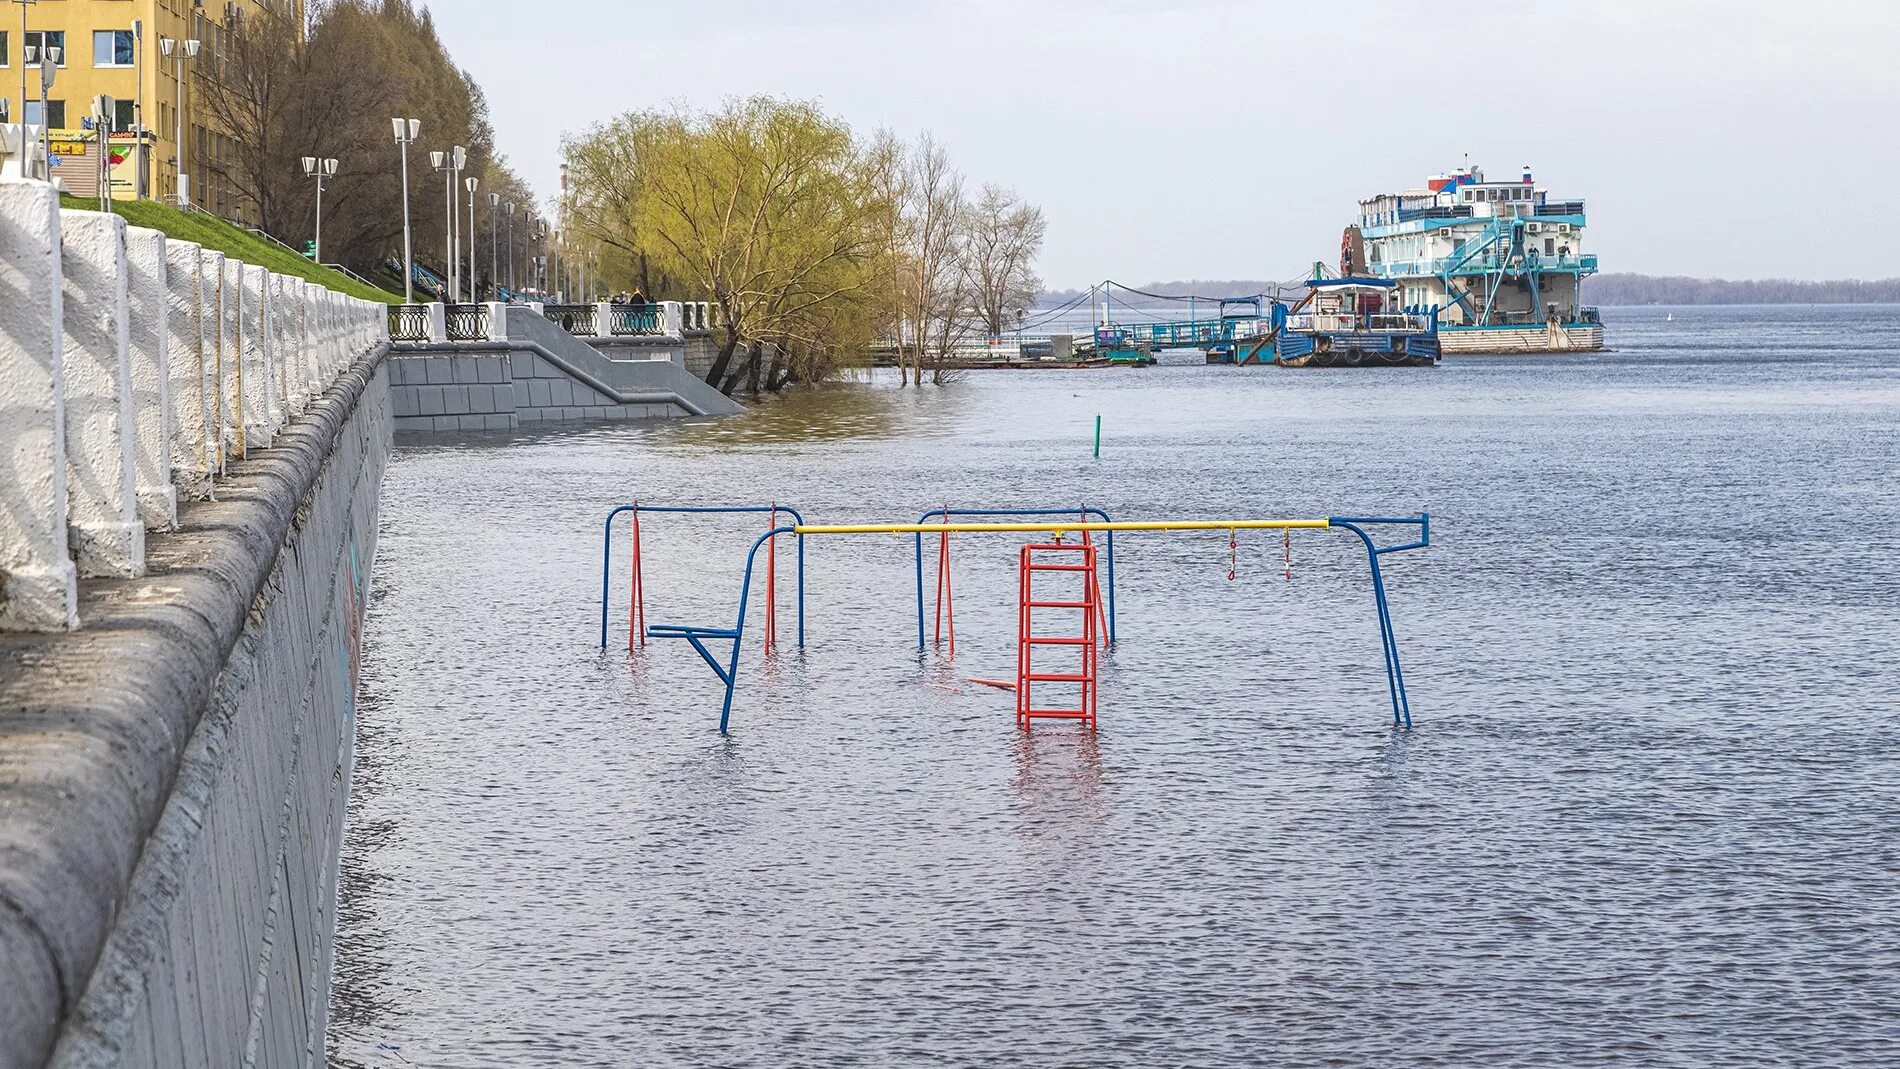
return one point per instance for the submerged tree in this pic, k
(811, 243)
(766, 207)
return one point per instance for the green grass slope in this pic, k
(214, 233)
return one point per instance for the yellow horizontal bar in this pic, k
(1058, 525)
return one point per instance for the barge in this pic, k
(1502, 261)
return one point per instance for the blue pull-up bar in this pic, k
(607, 556)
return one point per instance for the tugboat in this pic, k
(1353, 322)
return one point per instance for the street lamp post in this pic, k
(23, 4)
(178, 52)
(406, 131)
(451, 164)
(494, 243)
(472, 183)
(318, 169)
(510, 209)
(48, 62)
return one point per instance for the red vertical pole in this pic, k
(1022, 641)
(637, 610)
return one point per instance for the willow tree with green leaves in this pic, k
(766, 207)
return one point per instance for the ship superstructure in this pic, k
(1501, 261)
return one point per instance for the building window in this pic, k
(55, 110)
(6, 58)
(124, 115)
(38, 39)
(112, 48)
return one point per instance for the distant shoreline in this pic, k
(1615, 289)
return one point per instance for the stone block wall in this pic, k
(499, 391)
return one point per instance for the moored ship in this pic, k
(1502, 262)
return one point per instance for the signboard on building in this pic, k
(75, 154)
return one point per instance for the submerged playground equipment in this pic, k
(1082, 573)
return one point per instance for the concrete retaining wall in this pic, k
(175, 732)
(478, 390)
(532, 371)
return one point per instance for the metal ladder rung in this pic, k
(1034, 640)
(1060, 604)
(1059, 568)
(1058, 714)
(1057, 677)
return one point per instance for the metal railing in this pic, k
(409, 322)
(576, 319)
(633, 320)
(1343, 322)
(1456, 211)
(467, 322)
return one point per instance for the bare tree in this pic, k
(935, 291)
(1005, 237)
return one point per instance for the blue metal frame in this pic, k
(1394, 673)
(728, 672)
(946, 514)
(607, 555)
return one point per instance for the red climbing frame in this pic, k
(637, 611)
(1056, 560)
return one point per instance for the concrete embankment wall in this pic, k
(532, 372)
(186, 533)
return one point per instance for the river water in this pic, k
(1649, 813)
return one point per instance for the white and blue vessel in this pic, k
(1501, 261)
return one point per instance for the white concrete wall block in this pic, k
(306, 356)
(38, 585)
(185, 368)
(230, 350)
(211, 336)
(497, 321)
(150, 364)
(262, 416)
(438, 322)
(102, 522)
(296, 379)
(313, 335)
(670, 319)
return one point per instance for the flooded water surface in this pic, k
(1649, 813)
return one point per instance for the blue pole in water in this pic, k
(738, 629)
(606, 561)
(1388, 638)
(918, 545)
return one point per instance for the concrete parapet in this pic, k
(131, 368)
(103, 525)
(37, 580)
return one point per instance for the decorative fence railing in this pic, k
(576, 319)
(467, 322)
(409, 322)
(634, 320)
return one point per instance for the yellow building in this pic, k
(116, 48)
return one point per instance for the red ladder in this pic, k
(1061, 559)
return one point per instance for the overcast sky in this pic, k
(1232, 140)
